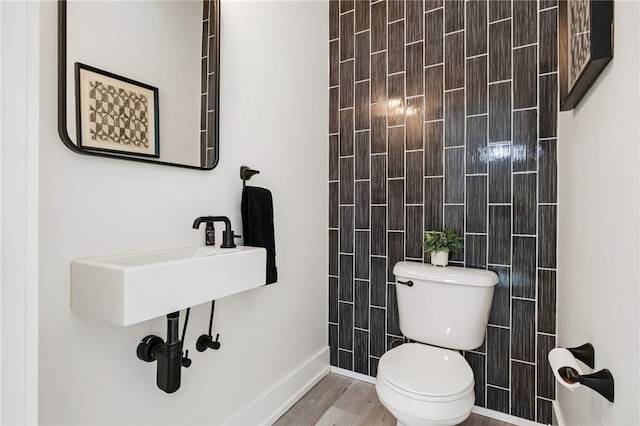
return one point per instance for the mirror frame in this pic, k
(62, 95)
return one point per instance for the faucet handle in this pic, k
(227, 239)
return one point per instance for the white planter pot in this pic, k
(440, 258)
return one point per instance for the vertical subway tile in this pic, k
(362, 155)
(453, 60)
(523, 330)
(346, 84)
(523, 393)
(477, 364)
(346, 5)
(362, 204)
(378, 281)
(501, 306)
(544, 4)
(346, 132)
(476, 85)
(378, 128)
(393, 323)
(395, 111)
(378, 26)
(361, 305)
(414, 119)
(346, 180)
(547, 234)
(433, 204)
(546, 301)
(377, 342)
(396, 47)
(415, 82)
(346, 36)
(454, 118)
(378, 179)
(333, 344)
(362, 255)
(333, 252)
(361, 351)
(333, 157)
(362, 56)
(475, 247)
(544, 411)
(334, 19)
(433, 36)
(396, 204)
(373, 366)
(434, 93)
(499, 235)
(414, 177)
(345, 359)
(334, 110)
(498, 399)
(363, 18)
(548, 105)
(395, 10)
(499, 9)
(334, 202)
(500, 112)
(524, 203)
(345, 325)
(345, 285)
(454, 15)
(525, 140)
(432, 4)
(334, 63)
(362, 103)
(500, 51)
(498, 344)
(547, 171)
(476, 143)
(413, 234)
(379, 77)
(523, 280)
(414, 20)
(346, 229)
(395, 152)
(548, 41)
(525, 22)
(476, 204)
(476, 27)
(500, 173)
(333, 299)
(546, 381)
(525, 77)
(396, 253)
(379, 230)
(454, 219)
(454, 175)
(433, 149)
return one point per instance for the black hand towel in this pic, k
(257, 225)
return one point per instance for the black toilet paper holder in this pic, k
(600, 381)
(584, 353)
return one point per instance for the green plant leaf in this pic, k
(447, 240)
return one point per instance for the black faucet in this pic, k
(227, 234)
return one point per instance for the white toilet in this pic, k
(423, 383)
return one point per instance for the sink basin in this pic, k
(128, 289)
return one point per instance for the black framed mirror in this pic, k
(139, 80)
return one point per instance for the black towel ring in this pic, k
(246, 173)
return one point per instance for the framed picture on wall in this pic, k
(115, 113)
(585, 46)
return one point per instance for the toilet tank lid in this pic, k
(446, 274)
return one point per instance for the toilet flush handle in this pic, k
(407, 283)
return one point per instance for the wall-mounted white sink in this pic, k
(132, 288)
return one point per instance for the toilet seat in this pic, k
(426, 373)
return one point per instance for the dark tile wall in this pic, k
(444, 114)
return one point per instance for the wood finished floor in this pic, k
(339, 400)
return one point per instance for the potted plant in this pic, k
(439, 244)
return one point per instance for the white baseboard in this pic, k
(273, 403)
(353, 375)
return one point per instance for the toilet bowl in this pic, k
(425, 385)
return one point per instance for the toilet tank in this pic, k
(445, 306)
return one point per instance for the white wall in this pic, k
(273, 118)
(598, 230)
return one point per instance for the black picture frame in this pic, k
(115, 113)
(585, 46)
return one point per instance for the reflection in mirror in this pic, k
(129, 49)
